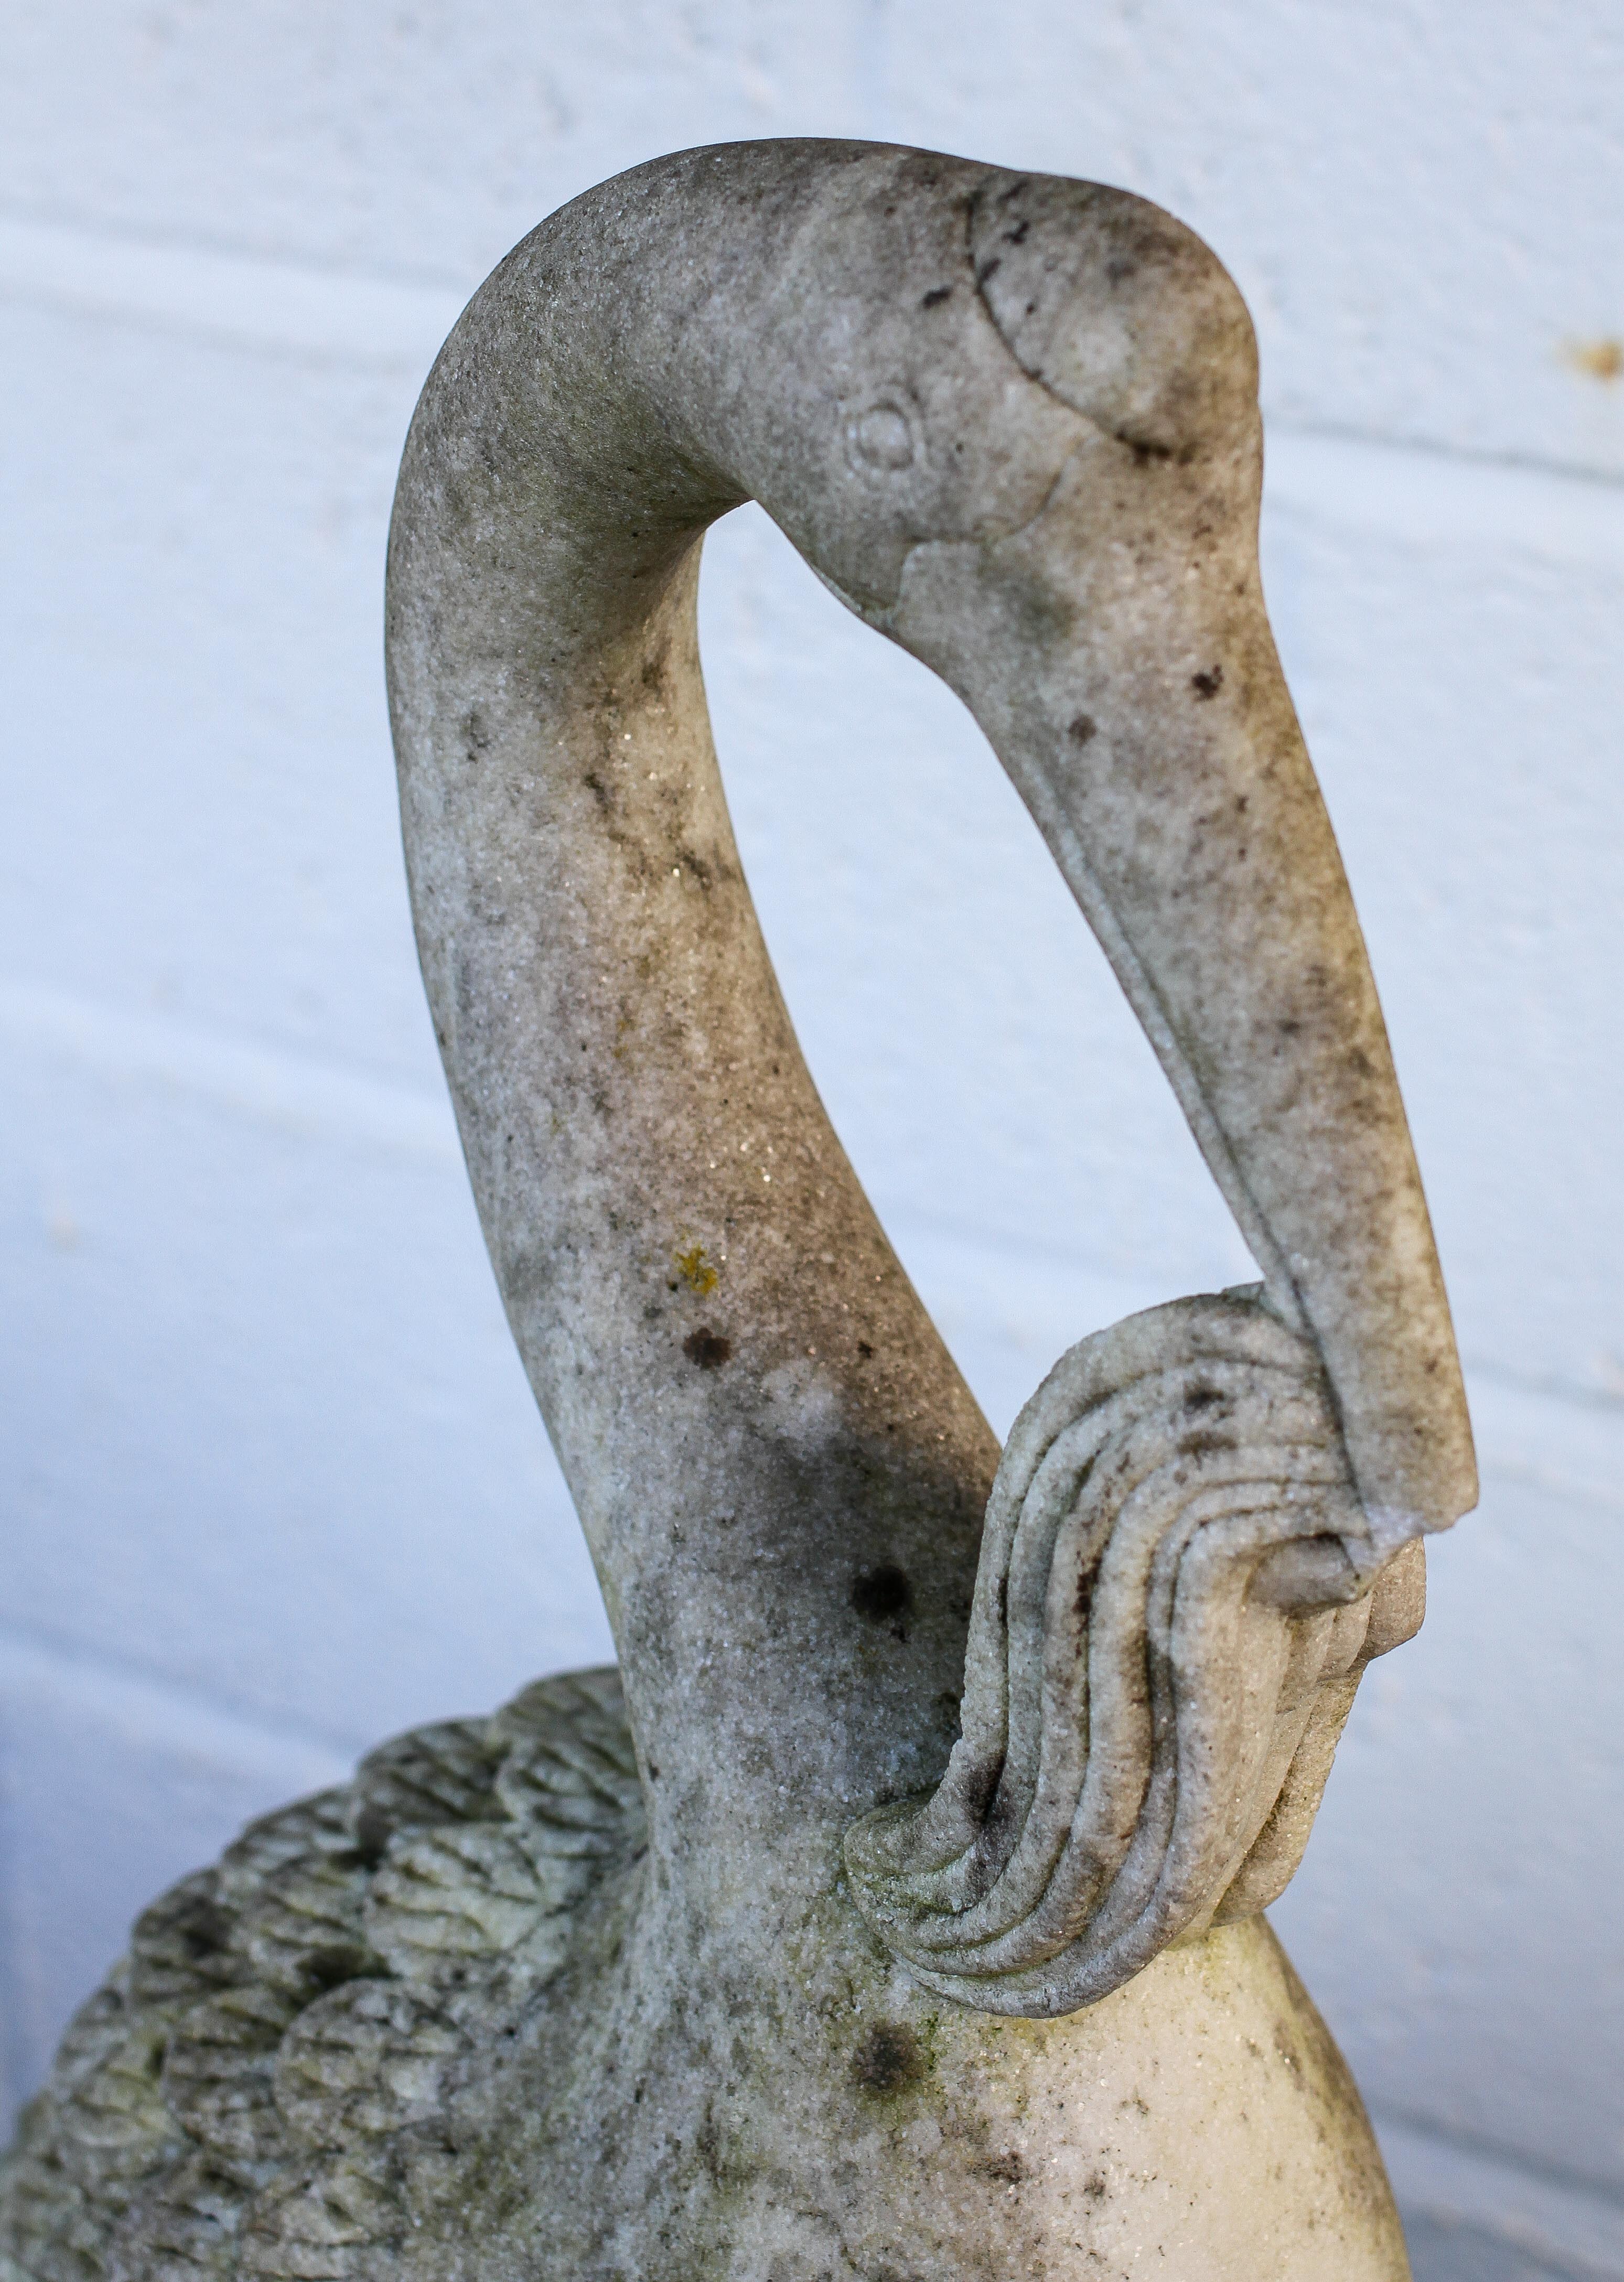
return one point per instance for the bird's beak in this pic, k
(1055, 507)
(1117, 653)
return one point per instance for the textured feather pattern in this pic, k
(1175, 1601)
(252, 2089)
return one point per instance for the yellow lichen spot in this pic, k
(695, 1270)
(1601, 360)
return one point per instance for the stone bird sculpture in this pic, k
(900, 1919)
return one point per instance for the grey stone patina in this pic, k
(832, 1951)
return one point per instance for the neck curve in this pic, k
(1013, 423)
(779, 1469)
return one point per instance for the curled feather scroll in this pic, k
(1175, 1602)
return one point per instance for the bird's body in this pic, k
(903, 1925)
(406, 2029)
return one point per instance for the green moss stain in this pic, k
(696, 1269)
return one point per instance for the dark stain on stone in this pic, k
(476, 733)
(322, 1969)
(1209, 683)
(1146, 450)
(889, 2058)
(596, 787)
(981, 1788)
(1080, 729)
(882, 1594)
(1097, 2188)
(935, 297)
(198, 1932)
(710, 2146)
(708, 1348)
(373, 1832)
(1010, 2167)
(1203, 1396)
(1205, 1445)
(866, 1350)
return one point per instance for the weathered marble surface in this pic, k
(1012, 421)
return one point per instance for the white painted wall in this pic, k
(273, 1484)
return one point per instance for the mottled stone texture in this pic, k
(712, 1987)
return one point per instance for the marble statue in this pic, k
(893, 1910)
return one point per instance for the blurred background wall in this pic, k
(273, 1484)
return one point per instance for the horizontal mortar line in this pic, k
(167, 1713)
(1511, 2195)
(309, 1098)
(354, 315)
(999, 1250)
(1421, 496)
(1513, 1417)
(1007, 1280)
(1601, 2195)
(241, 297)
(1499, 1466)
(1581, 473)
(1597, 1398)
(301, 1095)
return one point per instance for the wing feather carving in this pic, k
(1174, 1603)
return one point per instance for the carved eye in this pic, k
(880, 437)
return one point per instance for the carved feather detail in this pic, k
(259, 2084)
(1175, 1599)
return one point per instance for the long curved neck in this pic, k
(1013, 421)
(780, 1471)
